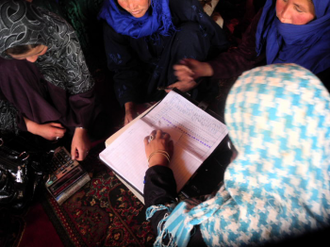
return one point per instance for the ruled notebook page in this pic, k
(194, 132)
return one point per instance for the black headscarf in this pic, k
(63, 65)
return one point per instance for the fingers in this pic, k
(127, 120)
(155, 135)
(187, 61)
(180, 67)
(166, 136)
(59, 133)
(74, 153)
(129, 116)
(158, 148)
(146, 140)
(168, 89)
(183, 86)
(79, 155)
(57, 125)
(183, 73)
(159, 134)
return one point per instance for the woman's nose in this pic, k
(132, 4)
(285, 16)
(32, 59)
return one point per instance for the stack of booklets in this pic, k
(195, 134)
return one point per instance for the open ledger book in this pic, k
(195, 134)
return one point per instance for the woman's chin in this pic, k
(138, 14)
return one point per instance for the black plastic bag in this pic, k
(23, 167)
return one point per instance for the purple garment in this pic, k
(24, 87)
(234, 62)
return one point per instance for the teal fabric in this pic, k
(278, 186)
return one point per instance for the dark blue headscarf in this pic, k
(156, 20)
(307, 45)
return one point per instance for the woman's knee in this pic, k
(190, 30)
(192, 41)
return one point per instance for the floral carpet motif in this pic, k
(103, 213)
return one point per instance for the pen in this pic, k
(164, 88)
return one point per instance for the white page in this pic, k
(195, 134)
(126, 154)
(202, 133)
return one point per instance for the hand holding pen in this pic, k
(158, 148)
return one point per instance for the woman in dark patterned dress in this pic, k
(145, 38)
(45, 85)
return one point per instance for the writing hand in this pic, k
(155, 144)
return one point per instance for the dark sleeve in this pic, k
(324, 76)
(160, 188)
(234, 62)
(123, 61)
(85, 108)
(192, 10)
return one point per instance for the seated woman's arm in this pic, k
(234, 62)
(160, 189)
(122, 60)
(226, 65)
(160, 185)
(72, 75)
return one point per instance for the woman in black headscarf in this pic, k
(47, 88)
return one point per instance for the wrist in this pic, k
(129, 106)
(156, 164)
(30, 125)
(80, 130)
(208, 70)
(159, 157)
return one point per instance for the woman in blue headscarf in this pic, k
(277, 187)
(145, 38)
(284, 31)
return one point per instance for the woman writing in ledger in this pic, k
(145, 38)
(275, 189)
(46, 88)
(285, 31)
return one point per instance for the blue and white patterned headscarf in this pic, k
(278, 186)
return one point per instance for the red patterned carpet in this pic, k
(103, 213)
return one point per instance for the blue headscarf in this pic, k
(307, 45)
(278, 117)
(156, 20)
